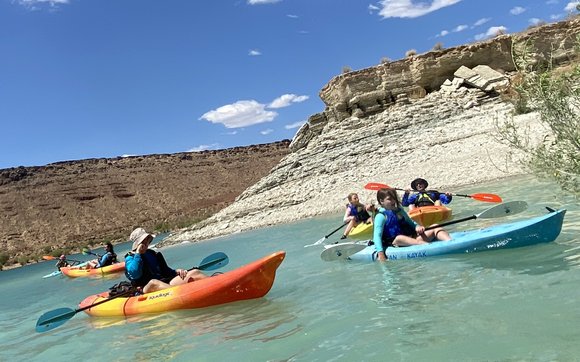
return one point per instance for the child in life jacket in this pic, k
(355, 213)
(394, 227)
(424, 197)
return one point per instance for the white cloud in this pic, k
(292, 16)
(294, 125)
(286, 99)
(406, 9)
(571, 6)
(303, 32)
(240, 114)
(517, 10)
(256, 2)
(265, 132)
(51, 2)
(442, 33)
(460, 28)
(534, 21)
(490, 32)
(204, 147)
(33, 5)
(481, 21)
(254, 52)
(231, 133)
(556, 16)
(551, 2)
(372, 8)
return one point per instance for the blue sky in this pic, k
(106, 78)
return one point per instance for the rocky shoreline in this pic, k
(434, 137)
(432, 115)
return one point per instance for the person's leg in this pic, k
(438, 203)
(411, 207)
(351, 224)
(404, 240)
(438, 233)
(155, 285)
(191, 276)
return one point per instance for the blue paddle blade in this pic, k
(214, 261)
(53, 319)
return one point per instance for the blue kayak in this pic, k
(543, 229)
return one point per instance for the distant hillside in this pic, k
(68, 205)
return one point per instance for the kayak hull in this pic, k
(53, 274)
(248, 282)
(543, 229)
(429, 215)
(362, 231)
(75, 272)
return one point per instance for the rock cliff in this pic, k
(67, 205)
(431, 115)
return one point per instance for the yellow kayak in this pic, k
(362, 231)
(75, 272)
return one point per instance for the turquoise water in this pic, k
(512, 305)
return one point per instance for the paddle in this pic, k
(87, 251)
(48, 257)
(479, 197)
(507, 208)
(320, 241)
(57, 317)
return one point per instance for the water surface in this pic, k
(512, 305)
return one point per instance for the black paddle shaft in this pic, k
(341, 226)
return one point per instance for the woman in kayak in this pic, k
(109, 258)
(424, 197)
(356, 213)
(393, 227)
(147, 269)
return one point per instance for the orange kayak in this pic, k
(429, 215)
(248, 282)
(75, 272)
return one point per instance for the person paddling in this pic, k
(393, 227)
(424, 197)
(62, 262)
(355, 213)
(146, 268)
(108, 259)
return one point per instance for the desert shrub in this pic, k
(500, 32)
(410, 53)
(162, 227)
(385, 60)
(556, 98)
(438, 46)
(514, 96)
(47, 249)
(22, 260)
(4, 257)
(346, 70)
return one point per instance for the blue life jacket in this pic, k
(396, 225)
(358, 212)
